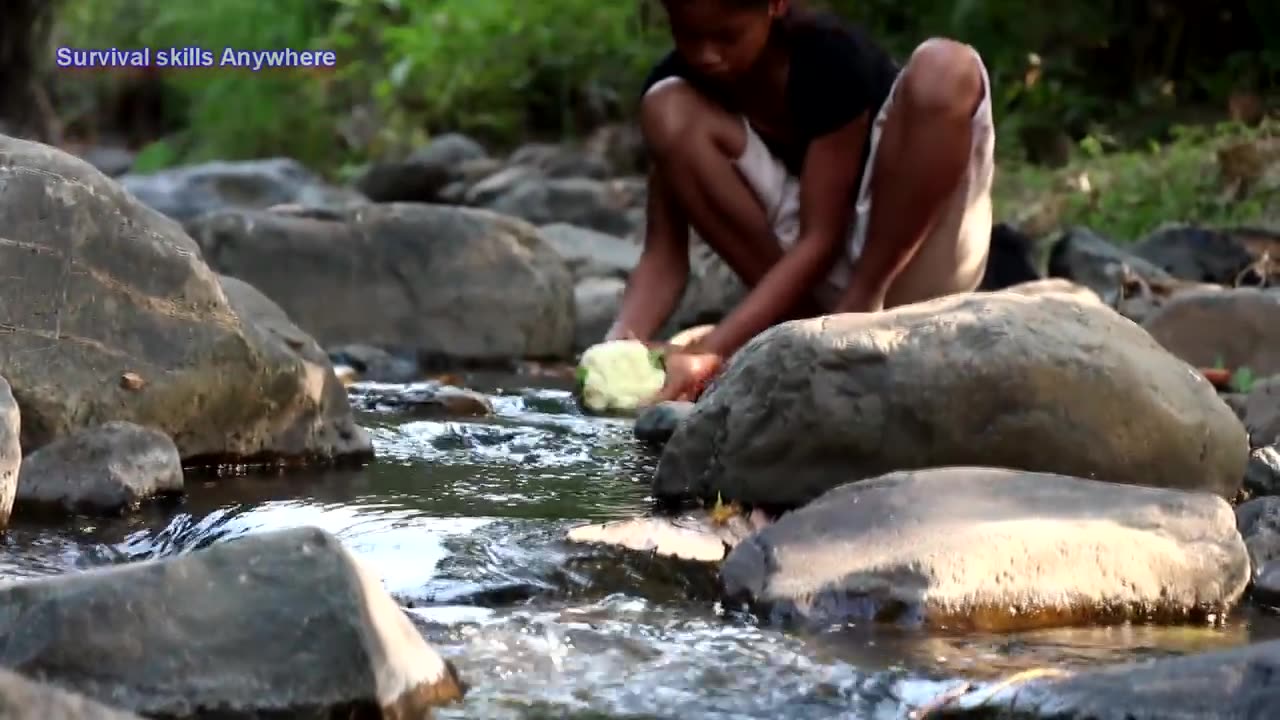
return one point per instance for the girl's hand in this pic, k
(688, 374)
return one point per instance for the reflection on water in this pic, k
(464, 520)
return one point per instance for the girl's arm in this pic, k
(658, 280)
(826, 192)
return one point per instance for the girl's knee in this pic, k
(942, 76)
(673, 114)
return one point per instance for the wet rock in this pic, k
(1262, 411)
(596, 301)
(105, 469)
(989, 548)
(438, 280)
(111, 314)
(1259, 524)
(1012, 259)
(427, 401)
(580, 201)
(1130, 284)
(10, 451)
(697, 537)
(1238, 683)
(1046, 383)
(1196, 253)
(422, 175)
(1239, 328)
(658, 423)
(23, 699)
(285, 622)
(372, 364)
(591, 254)
(1266, 584)
(186, 192)
(1262, 475)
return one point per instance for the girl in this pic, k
(828, 179)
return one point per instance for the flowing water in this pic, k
(464, 521)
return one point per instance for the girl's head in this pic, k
(722, 39)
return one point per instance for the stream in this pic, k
(464, 520)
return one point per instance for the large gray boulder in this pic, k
(110, 313)
(285, 622)
(994, 549)
(456, 282)
(1039, 382)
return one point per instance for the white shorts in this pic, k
(951, 259)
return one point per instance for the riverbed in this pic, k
(464, 521)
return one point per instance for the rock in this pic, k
(23, 699)
(185, 193)
(439, 280)
(427, 401)
(286, 622)
(1259, 524)
(1057, 286)
(422, 175)
(373, 364)
(10, 451)
(1266, 584)
(596, 302)
(620, 146)
(111, 314)
(101, 470)
(110, 160)
(1262, 475)
(1236, 683)
(1012, 259)
(580, 201)
(559, 161)
(685, 538)
(1195, 253)
(695, 537)
(325, 412)
(1132, 285)
(1262, 410)
(591, 254)
(1046, 383)
(657, 423)
(1236, 401)
(1239, 328)
(498, 183)
(994, 549)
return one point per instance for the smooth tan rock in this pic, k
(688, 537)
(1238, 328)
(1041, 383)
(995, 549)
(23, 699)
(1262, 413)
(10, 451)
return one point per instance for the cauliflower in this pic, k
(619, 375)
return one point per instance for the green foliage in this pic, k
(1127, 194)
(1095, 75)
(225, 112)
(496, 68)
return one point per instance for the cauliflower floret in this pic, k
(619, 375)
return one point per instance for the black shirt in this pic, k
(837, 73)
